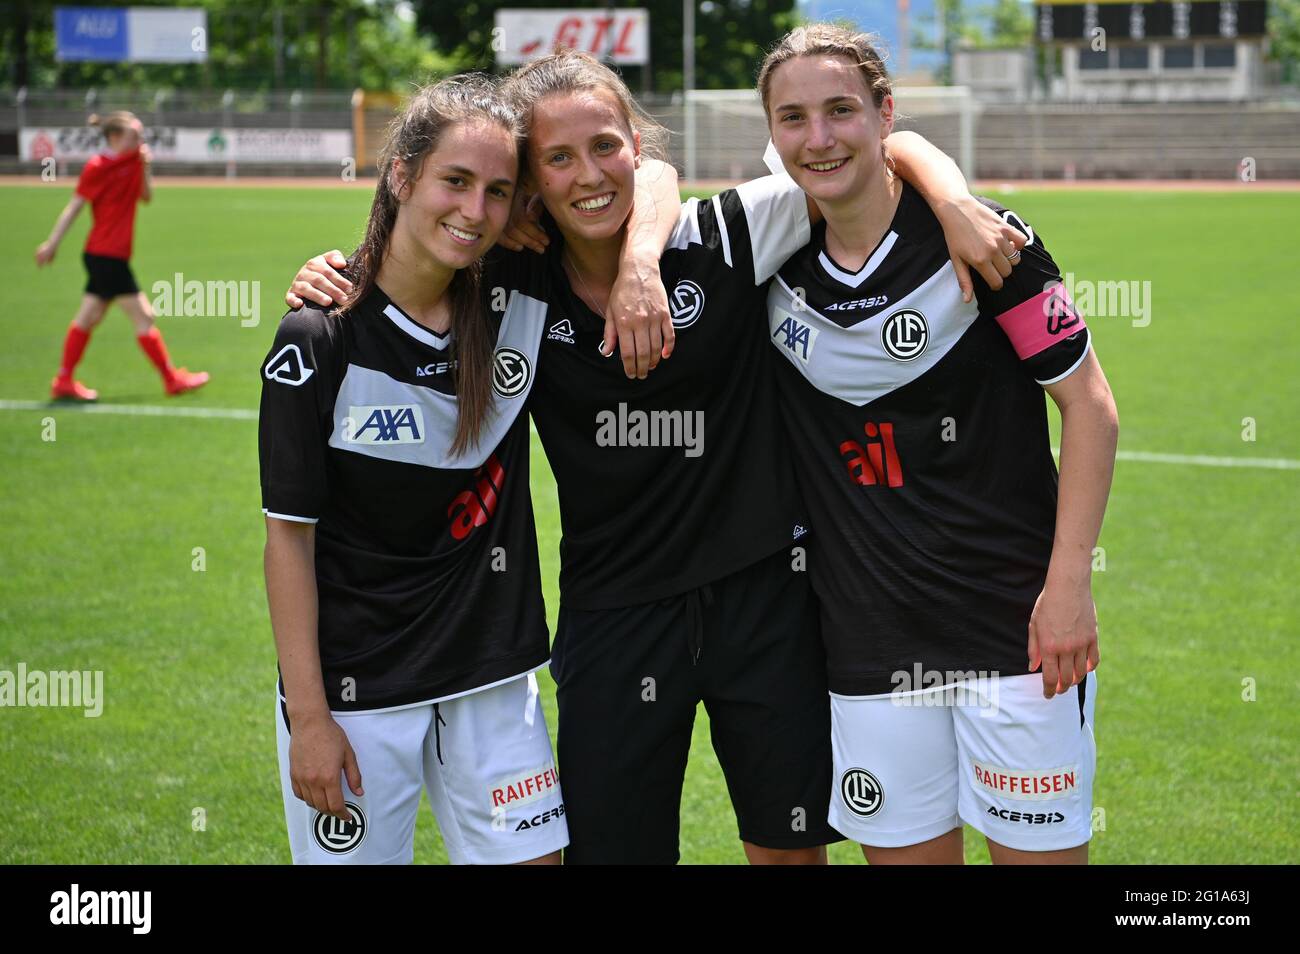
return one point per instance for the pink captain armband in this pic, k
(1035, 325)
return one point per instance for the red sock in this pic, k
(73, 347)
(151, 344)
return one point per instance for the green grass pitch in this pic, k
(98, 529)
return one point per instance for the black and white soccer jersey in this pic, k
(669, 483)
(426, 563)
(919, 429)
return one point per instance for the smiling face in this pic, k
(457, 208)
(826, 127)
(583, 156)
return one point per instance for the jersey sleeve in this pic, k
(91, 180)
(299, 382)
(754, 227)
(1033, 307)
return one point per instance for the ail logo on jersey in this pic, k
(472, 508)
(511, 372)
(288, 367)
(686, 303)
(337, 836)
(524, 788)
(875, 301)
(862, 792)
(377, 424)
(875, 463)
(1030, 786)
(796, 337)
(562, 330)
(904, 335)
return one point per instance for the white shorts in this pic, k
(992, 753)
(485, 760)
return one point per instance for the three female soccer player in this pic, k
(677, 498)
(948, 566)
(112, 182)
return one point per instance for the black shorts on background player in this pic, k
(629, 681)
(108, 277)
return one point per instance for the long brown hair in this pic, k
(828, 39)
(572, 71)
(411, 137)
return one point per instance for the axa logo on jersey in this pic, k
(379, 424)
(796, 336)
(874, 462)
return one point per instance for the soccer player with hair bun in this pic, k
(949, 565)
(112, 182)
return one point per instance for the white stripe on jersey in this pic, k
(687, 230)
(852, 363)
(291, 519)
(379, 416)
(853, 279)
(1087, 346)
(417, 331)
(776, 210)
(722, 227)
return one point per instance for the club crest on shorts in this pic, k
(686, 303)
(338, 837)
(511, 372)
(905, 334)
(862, 792)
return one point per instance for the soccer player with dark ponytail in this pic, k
(112, 182)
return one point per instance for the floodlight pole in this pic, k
(688, 82)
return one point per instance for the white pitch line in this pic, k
(1202, 460)
(243, 414)
(138, 410)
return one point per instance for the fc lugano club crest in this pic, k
(686, 303)
(862, 792)
(905, 334)
(337, 836)
(511, 372)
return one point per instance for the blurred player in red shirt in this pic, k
(112, 181)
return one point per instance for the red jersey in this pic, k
(112, 184)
